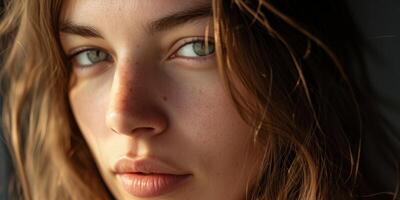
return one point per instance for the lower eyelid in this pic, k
(197, 59)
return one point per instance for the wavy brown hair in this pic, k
(292, 58)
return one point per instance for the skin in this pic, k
(144, 100)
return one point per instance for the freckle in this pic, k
(164, 98)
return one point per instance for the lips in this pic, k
(148, 177)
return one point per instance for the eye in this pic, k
(90, 57)
(197, 48)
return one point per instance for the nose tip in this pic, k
(132, 108)
(127, 124)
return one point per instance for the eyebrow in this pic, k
(159, 25)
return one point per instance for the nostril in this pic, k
(136, 121)
(143, 129)
(148, 129)
(137, 130)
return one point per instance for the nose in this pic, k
(132, 109)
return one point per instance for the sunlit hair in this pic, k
(306, 113)
(51, 159)
(290, 58)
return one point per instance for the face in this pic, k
(148, 98)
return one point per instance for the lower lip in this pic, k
(151, 185)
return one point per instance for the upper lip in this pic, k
(145, 165)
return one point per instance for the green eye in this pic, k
(196, 49)
(91, 57)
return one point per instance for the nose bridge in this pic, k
(130, 108)
(128, 84)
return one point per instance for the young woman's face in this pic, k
(150, 103)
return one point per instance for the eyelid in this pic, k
(71, 56)
(186, 41)
(79, 50)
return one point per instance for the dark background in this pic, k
(379, 22)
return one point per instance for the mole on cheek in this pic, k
(164, 98)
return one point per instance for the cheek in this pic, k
(215, 120)
(88, 101)
(219, 139)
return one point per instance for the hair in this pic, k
(292, 58)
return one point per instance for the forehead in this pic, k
(116, 12)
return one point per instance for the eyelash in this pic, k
(193, 40)
(77, 52)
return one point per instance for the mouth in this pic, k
(149, 177)
(150, 185)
